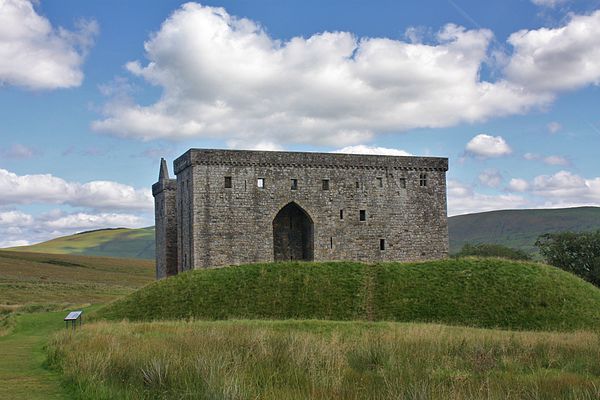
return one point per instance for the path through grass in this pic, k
(22, 357)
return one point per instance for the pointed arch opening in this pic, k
(293, 234)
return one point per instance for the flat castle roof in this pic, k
(306, 160)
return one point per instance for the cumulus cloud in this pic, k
(567, 187)
(491, 178)
(45, 188)
(78, 221)
(486, 146)
(462, 199)
(363, 149)
(20, 229)
(15, 219)
(550, 60)
(560, 189)
(518, 185)
(225, 77)
(36, 55)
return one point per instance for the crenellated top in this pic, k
(247, 158)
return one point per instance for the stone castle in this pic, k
(231, 207)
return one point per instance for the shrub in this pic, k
(578, 253)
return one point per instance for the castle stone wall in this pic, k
(222, 226)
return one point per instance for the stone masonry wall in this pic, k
(222, 226)
(165, 227)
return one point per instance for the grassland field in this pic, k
(204, 346)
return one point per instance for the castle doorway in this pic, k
(293, 234)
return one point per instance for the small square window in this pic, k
(423, 179)
(294, 185)
(260, 182)
(342, 214)
(380, 182)
(325, 184)
(227, 182)
(381, 244)
(403, 183)
(363, 215)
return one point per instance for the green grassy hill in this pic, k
(519, 228)
(119, 242)
(28, 279)
(473, 292)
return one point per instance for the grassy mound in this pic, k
(474, 292)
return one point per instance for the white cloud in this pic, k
(556, 160)
(374, 150)
(562, 189)
(19, 229)
(462, 199)
(28, 189)
(554, 127)
(78, 221)
(549, 160)
(15, 219)
(225, 77)
(13, 243)
(550, 60)
(549, 3)
(35, 55)
(486, 146)
(565, 186)
(491, 178)
(518, 185)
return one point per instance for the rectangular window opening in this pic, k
(331, 242)
(227, 182)
(423, 179)
(341, 214)
(357, 184)
(381, 244)
(403, 183)
(380, 182)
(260, 182)
(325, 183)
(363, 215)
(294, 185)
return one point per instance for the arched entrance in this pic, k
(293, 236)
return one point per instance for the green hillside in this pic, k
(519, 228)
(28, 279)
(473, 292)
(119, 242)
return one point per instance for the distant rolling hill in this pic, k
(519, 228)
(119, 242)
(514, 228)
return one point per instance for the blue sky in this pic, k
(93, 93)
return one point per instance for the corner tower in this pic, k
(165, 212)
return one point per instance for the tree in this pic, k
(492, 250)
(578, 253)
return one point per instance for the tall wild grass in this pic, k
(324, 360)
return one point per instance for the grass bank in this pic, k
(492, 293)
(324, 360)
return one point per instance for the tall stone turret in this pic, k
(165, 216)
